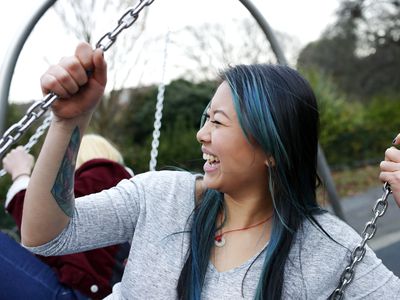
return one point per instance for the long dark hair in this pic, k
(277, 109)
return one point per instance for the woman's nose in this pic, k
(203, 135)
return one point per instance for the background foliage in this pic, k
(353, 133)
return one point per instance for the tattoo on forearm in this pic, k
(63, 188)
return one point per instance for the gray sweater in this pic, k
(151, 211)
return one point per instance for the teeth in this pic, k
(210, 158)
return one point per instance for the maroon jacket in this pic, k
(93, 272)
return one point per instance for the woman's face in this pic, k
(232, 163)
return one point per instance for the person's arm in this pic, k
(49, 200)
(390, 169)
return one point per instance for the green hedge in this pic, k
(354, 133)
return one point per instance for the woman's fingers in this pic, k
(100, 67)
(390, 170)
(75, 69)
(389, 166)
(70, 73)
(392, 154)
(58, 80)
(84, 54)
(50, 83)
(393, 178)
(78, 80)
(66, 78)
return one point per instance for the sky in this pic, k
(303, 19)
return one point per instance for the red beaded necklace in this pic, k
(219, 240)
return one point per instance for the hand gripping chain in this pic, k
(38, 108)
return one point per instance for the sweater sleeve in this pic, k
(99, 220)
(111, 216)
(317, 261)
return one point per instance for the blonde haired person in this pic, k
(95, 146)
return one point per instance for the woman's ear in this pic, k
(270, 161)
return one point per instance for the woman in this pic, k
(84, 275)
(249, 228)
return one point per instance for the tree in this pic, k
(361, 50)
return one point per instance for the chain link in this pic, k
(159, 107)
(34, 112)
(359, 251)
(39, 132)
(38, 108)
(127, 19)
(34, 138)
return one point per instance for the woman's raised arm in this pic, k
(79, 80)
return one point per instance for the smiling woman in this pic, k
(247, 129)
(232, 161)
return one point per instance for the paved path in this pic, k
(386, 243)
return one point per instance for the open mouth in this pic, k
(211, 159)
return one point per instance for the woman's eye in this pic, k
(206, 118)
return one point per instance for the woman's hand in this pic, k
(78, 80)
(390, 169)
(18, 162)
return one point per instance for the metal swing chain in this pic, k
(358, 253)
(34, 138)
(159, 107)
(37, 109)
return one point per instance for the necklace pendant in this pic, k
(219, 241)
